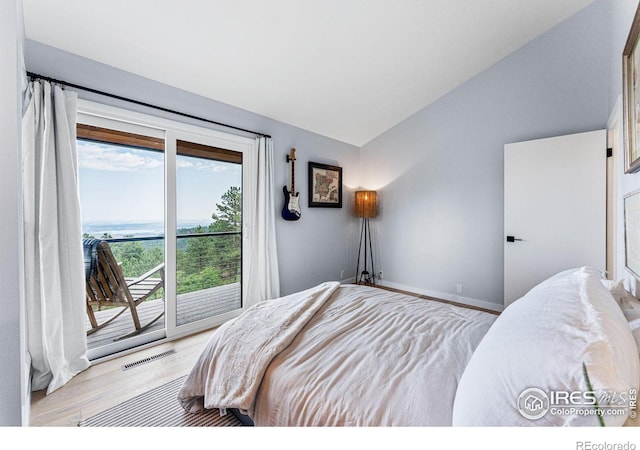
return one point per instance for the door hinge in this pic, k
(609, 152)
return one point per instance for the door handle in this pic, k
(512, 239)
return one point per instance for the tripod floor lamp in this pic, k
(366, 208)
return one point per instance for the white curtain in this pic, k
(263, 278)
(53, 258)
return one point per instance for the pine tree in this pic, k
(227, 248)
(229, 214)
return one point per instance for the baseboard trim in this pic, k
(351, 280)
(444, 296)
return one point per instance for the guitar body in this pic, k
(291, 209)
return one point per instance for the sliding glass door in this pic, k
(167, 200)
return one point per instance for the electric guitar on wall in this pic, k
(291, 209)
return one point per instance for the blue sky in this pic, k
(127, 185)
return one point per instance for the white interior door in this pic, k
(554, 208)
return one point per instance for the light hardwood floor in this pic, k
(104, 385)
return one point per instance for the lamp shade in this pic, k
(366, 204)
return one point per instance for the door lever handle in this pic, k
(512, 239)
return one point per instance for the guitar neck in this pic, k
(292, 159)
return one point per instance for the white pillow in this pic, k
(541, 341)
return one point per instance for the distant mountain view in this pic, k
(134, 229)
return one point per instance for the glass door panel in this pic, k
(121, 186)
(208, 231)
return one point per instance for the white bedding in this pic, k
(367, 357)
(229, 371)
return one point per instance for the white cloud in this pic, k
(113, 158)
(96, 156)
(185, 162)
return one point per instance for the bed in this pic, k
(349, 355)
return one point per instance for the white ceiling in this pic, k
(347, 69)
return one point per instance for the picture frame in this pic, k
(631, 96)
(632, 233)
(325, 186)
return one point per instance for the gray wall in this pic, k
(315, 248)
(440, 172)
(11, 348)
(622, 12)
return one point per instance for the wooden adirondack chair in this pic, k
(107, 286)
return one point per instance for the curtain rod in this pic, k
(137, 102)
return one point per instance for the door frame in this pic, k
(615, 143)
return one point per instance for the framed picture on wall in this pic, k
(632, 233)
(325, 185)
(631, 96)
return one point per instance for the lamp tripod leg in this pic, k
(358, 277)
(373, 270)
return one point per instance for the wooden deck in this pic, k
(191, 307)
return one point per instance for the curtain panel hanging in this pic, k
(260, 231)
(53, 258)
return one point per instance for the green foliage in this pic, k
(135, 259)
(204, 279)
(197, 254)
(91, 236)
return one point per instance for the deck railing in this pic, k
(204, 260)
